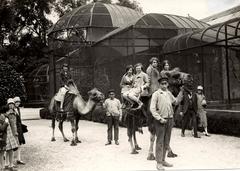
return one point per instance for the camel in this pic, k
(135, 118)
(74, 106)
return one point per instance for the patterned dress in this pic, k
(201, 111)
(12, 139)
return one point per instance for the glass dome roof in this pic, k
(97, 15)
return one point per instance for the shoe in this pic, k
(116, 142)
(171, 154)
(206, 134)
(108, 143)
(166, 164)
(20, 162)
(160, 167)
(12, 169)
(196, 136)
(137, 147)
(182, 135)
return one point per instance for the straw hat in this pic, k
(200, 87)
(10, 101)
(17, 99)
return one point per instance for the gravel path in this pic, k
(215, 152)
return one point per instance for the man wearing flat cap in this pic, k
(65, 75)
(162, 111)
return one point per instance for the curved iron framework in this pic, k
(224, 34)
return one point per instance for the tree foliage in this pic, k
(130, 4)
(11, 84)
(61, 7)
(23, 32)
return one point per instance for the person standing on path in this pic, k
(3, 135)
(201, 102)
(161, 108)
(114, 115)
(21, 138)
(189, 108)
(153, 75)
(12, 135)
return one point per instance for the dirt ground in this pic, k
(215, 152)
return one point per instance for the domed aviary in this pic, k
(95, 20)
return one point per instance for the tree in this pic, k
(11, 84)
(23, 32)
(130, 4)
(64, 6)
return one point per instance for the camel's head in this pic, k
(96, 95)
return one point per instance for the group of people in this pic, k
(11, 135)
(161, 87)
(166, 93)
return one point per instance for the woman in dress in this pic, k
(126, 84)
(201, 102)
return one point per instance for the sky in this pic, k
(195, 8)
(198, 9)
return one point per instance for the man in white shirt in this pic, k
(114, 115)
(162, 111)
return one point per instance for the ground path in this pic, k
(215, 152)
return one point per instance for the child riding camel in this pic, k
(65, 81)
(140, 86)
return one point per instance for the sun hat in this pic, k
(10, 101)
(17, 99)
(200, 87)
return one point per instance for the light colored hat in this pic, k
(17, 99)
(200, 87)
(10, 100)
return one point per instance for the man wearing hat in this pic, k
(189, 107)
(65, 74)
(114, 115)
(65, 77)
(162, 111)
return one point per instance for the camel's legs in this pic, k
(76, 136)
(130, 140)
(53, 129)
(60, 126)
(135, 141)
(150, 152)
(73, 124)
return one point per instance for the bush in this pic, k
(11, 84)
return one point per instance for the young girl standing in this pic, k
(12, 135)
(3, 136)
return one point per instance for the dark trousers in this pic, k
(113, 121)
(163, 133)
(190, 114)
